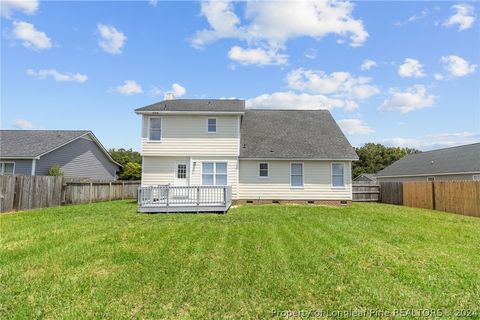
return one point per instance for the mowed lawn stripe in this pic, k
(106, 260)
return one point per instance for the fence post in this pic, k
(110, 191)
(91, 192)
(167, 193)
(433, 195)
(123, 190)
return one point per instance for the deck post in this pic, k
(198, 198)
(167, 194)
(225, 196)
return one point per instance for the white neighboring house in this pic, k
(262, 156)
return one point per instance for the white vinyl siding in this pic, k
(296, 175)
(338, 175)
(7, 168)
(155, 129)
(476, 177)
(316, 181)
(186, 135)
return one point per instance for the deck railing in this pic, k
(182, 196)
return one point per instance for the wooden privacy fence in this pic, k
(461, 197)
(29, 192)
(365, 192)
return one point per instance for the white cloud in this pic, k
(129, 87)
(57, 76)
(7, 7)
(153, 2)
(354, 126)
(155, 91)
(111, 40)
(368, 64)
(464, 17)
(32, 38)
(457, 66)
(411, 68)
(269, 25)
(339, 84)
(435, 141)
(24, 124)
(311, 54)
(176, 92)
(423, 14)
(412, 98)
(291, 100)
(438, 76)
(256, 56)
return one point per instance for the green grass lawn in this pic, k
(106, 260)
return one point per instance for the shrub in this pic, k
(55, 171)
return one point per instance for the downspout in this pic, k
(34, 165)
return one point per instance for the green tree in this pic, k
(131, 162)
(55, 171)
(124, 156)
(131, 171)
(373, 157)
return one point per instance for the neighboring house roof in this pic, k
(196, 105)
(31, 144)
(459, 159)
(293, 134)
(370, 176)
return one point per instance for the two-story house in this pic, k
(254, 156)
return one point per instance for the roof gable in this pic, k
(293, 134)
(464, 158)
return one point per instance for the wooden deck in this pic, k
(168, 198)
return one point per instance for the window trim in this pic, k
(214, 173)
(331, 176)
(216, 125)
(303, 176)
(268, 170)
(161, 129)
(2, 168)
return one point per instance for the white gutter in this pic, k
(430, 174)
(191, 112)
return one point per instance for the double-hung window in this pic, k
(7, 168)
(263, 170)
(214, 173)
(212, 125)
(338, 172)
(296, 175)
(155, 129)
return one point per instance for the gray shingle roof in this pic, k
(32, 143)
(209, 105)
(464, 158)
(293, 134)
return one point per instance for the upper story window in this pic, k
(7, 168)
(338, 175)
(296, 174)
(155, 129)
(263, 170)
(212, 125)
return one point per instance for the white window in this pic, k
(263, 170)
(296, 174)
(338, 172)
(155, 129)
(430, 178)
(7, 168)
(476, 177)
(212, 125)
(214, 173)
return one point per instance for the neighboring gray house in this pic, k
(455, 163)
(34, 152)
(366, 178)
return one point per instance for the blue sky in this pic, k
(398, 73)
